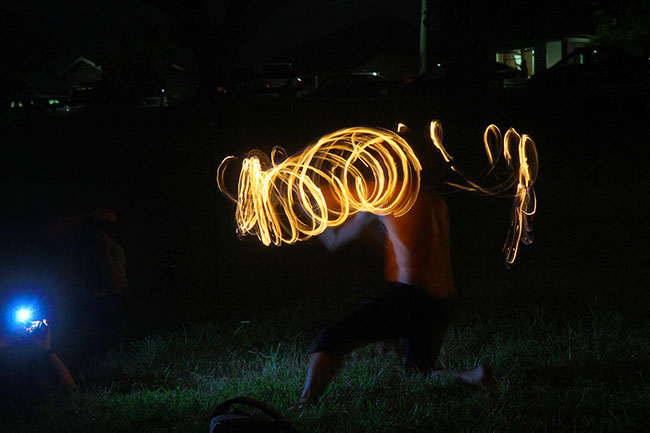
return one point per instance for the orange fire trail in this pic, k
(281, 199)
(521, 167)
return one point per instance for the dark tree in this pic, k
(143, 58)
(216, 44)
(623, 21)
(464, 28)
(23, 48)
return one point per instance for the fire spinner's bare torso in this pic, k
(417, 247)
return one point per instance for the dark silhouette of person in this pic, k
(524, 66)
(92, 278)
(30, 368)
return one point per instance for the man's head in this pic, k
(108, 228)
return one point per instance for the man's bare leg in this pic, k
(322, 368)
(480, 376)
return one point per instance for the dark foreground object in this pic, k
(228, 420)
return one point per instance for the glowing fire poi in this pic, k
(521, 165)
(281, 199)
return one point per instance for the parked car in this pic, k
(269, 80)
(149, 96)
(39, 105)
(594, 66)
(132, 96)
(466, 76)
(354, 85)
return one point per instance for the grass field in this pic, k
(566, 330)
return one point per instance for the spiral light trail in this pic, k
(520, 163)
(285, 199)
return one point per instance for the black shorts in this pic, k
(402, 311)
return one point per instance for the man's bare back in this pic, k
(417, 247)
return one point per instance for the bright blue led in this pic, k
(23, 315)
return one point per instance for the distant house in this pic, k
(82, 72)
(540, 54)
(81, 77)
(36, 92)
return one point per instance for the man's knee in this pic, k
(328, 342)
(422, 351)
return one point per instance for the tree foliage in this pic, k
(141, 58)
(216, 42)
(23, 48)
(464, 27)
(622, 21)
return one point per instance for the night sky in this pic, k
(78, 27)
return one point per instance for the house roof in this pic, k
(79, 60)
(81, 71)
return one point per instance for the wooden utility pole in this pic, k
(425, 19)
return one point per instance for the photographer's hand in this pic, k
(43, 341)
(41, 335)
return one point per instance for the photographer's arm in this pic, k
(64, 379)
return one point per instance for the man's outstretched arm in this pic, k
(334, 239)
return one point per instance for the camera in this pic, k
(33, 328)
(25, 323)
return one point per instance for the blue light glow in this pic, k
(20, 311)
(24, 315)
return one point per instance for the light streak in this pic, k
(285, 199)
(520, 163)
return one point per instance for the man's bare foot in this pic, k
(480, 376)
(303, 404)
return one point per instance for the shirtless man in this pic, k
(416, 305)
